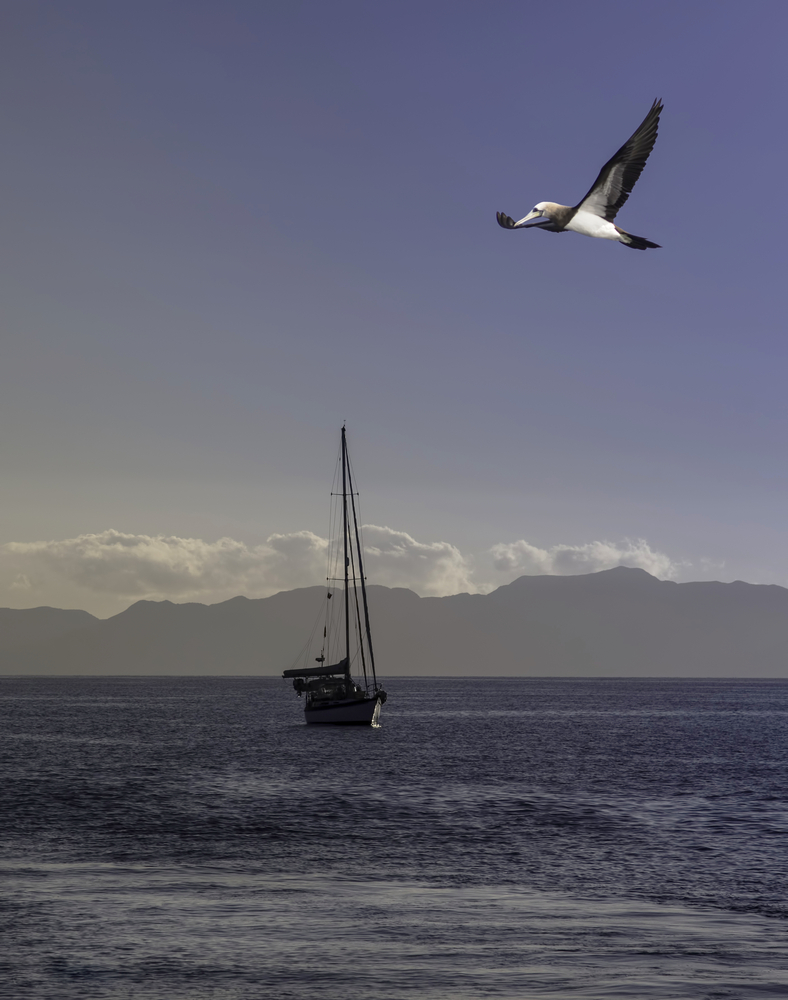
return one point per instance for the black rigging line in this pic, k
(363, 586)
(357, 621)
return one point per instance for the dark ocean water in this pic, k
(191, 838)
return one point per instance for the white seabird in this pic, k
(594, 215)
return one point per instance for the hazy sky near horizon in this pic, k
(229, 227)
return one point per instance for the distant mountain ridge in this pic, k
(617, 623)
(31, 625)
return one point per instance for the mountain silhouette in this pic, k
(616, 623)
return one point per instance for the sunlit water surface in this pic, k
(191, 838)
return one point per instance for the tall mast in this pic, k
(347, 561)
(363, 585)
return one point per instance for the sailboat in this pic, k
(332, 695)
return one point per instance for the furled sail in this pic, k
(336, 668)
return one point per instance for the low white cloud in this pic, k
(523, 559)
(108, 570)
(162, 566)
(432, 569)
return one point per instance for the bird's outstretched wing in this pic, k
(507, 222)
(617, 178)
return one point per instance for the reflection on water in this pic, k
(491, 839)
(225, 933)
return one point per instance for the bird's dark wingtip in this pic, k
(504, 221)
(638, 242)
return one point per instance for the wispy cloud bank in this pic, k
(117, 568)
(523, 559)
(157, 567)
(432, 569)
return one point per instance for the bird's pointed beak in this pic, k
(534, 214)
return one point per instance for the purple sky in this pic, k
(229, 226)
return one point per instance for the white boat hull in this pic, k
(362, 712)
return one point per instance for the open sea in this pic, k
(190, 838)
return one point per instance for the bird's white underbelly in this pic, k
(588, 224)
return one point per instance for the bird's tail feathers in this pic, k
(636, 242)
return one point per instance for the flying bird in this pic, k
(593, 216)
